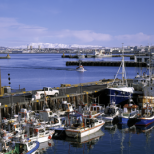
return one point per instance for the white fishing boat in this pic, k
(80, 55)
(25, 146)
(92, 111)
(101, 54)
(66, 107)
(6, 145)
(80, 67)
(86, 139)
(39, 133)
(77, 126)
(25, 115)
(140, 81)
(111, 112)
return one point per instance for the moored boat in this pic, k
(129, 114)
(146, 116)
(80, 127)
(25, 146)
(111, 112)
(119, 91)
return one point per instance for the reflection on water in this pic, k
(90, 140)
(111, 139)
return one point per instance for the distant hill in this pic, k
(56, 45)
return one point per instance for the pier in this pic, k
(74, 94)
(107, 63)
(92, 56)
(7, 57)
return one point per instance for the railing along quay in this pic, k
(107, 63)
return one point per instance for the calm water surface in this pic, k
(33, 71)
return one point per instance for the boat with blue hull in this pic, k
(118, 90)
(146, 117)
(144, 128)
(128, 115)
(120, 94)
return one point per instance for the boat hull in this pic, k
(118, 96)
(126, 120)
(83, 132)
(144, 121)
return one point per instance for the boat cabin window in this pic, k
(32, 114)
(95, 109)
(125, 110)
(62, 121)
(96, 120)
(56, 120)
(8, 143)
(22, 148)
(23, 115)
(78, 120)
(30, 143)
(110, 111)
(133, 109)
(64, 107)
(41, 131)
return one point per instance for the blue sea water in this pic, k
(33, 71)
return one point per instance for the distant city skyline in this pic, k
(96, 23)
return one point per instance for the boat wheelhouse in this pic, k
(79, 126)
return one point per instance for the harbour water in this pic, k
(33, 71)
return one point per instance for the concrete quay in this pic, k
(92, 56)
(74, 94)
(71, 93)
(107, 63)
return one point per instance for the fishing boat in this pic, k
(119, 90)
(140, 81)
(111, 112)
(146, 116)
(144, 129)
(25, 146)
(101, 54)
(92, 138)
(93, 111)
(39, 133)
(80, 68)
(25, 114)
(66, 107)
(129, 114)
(78, 126)
(6, 145)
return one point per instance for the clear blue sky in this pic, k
(85, 22)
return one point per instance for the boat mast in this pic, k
(123, 66)
(150, 73)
